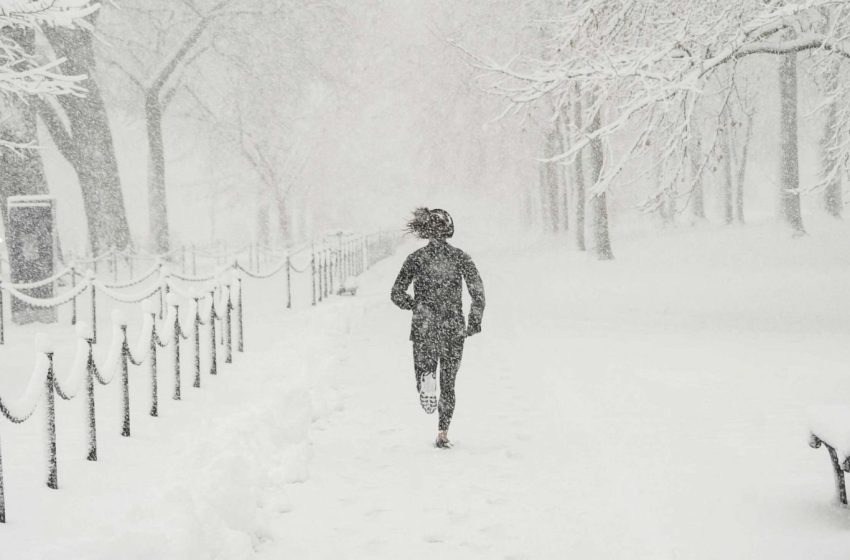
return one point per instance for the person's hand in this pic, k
(473, 329)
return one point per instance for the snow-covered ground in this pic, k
(651, 407)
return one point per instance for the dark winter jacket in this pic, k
(437, 271)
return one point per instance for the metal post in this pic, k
(161, 302)
(52, 467)
(125, 383)
(213, 349)
(328, 258)
(196, 333)
(73, 301)
(92, 423)
(288, 283)
(93, 313)
(153, 369)
(176, 342)
(333, 269)
(228, 328)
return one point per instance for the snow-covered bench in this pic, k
(830, 428)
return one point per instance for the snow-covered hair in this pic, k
(431, 224)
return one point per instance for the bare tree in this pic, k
(598, 198)
(789, 195)
(833, 195)
(695, 156)
(580, 201)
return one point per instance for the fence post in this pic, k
(52, 467)
(90, 278)
(333, 269)
(130, 263)
(228, 327)
(153, 367)
(328, 261)
(240, 326)
(213, 349)
(196, 333)
(176, 341)
(73, 301)
(85, 333)
(125, 381)
(163, 288)
(194, 261)
(288, 282)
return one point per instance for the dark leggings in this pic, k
(426, 355)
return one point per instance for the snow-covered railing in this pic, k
(84, 372)
(333, 264)
(216, 306)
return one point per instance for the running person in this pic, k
(438, 328)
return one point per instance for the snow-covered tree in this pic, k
(21, 73)
(648, 64)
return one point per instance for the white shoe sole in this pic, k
(428, 394)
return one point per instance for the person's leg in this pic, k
(424, 361)
(450, 358)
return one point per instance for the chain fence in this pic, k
(216, 307)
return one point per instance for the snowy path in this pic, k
(378, 489)
(650, 408)
(620, 432)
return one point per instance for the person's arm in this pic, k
(399, 294)
(476, 292)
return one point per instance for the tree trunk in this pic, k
(579, 176)
(551, 176)
(87, 143)
(21, 171)
(833, 194)
(598, 201)
(283, 215)
(263, 233)
(157, 205)
(789, 158)
(564, 144)
(742, 171)
(726, 155)
(695, 149)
